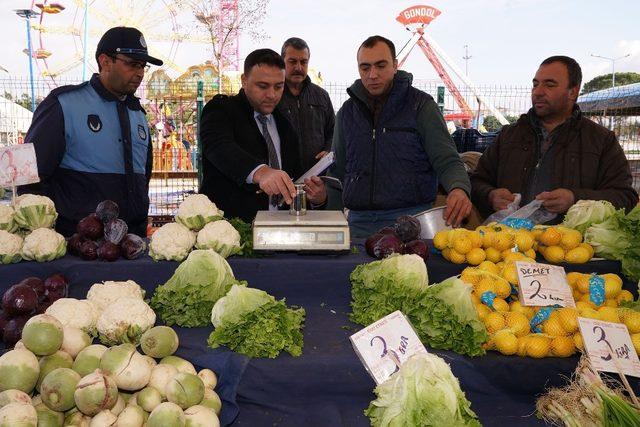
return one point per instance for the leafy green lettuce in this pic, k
(585, 213)
(424, 392)
(252, 322)
(382, 287)
(189, 295)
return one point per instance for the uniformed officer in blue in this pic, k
(92, 140)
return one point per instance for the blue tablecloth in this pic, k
(327, 385)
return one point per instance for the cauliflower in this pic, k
(10, 247)
(34, 212)
(125, 321)
(75, 313)
(44, 244)
(172, 242)
(102, 295)
(196, 211)
(7, 221)
(219, 236)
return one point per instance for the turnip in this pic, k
(19, 414)
(88, 360)
(74, 340)
(129, 368)
(119, 406)
(48, 417)
(159, 341)
(160, 376)
(211, 400)
(181, 364)
(200, 416)
(14, 396)
(185, 390)
(42, 334)
(58, 388)
(95, 392)
(209, 378)
(131, 416)
(59, 359)
(76, 418)
(148, 398)
(104, 418)
(19, 370)
(166, 414)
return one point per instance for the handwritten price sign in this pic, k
(386, 344)
(609, 346)
(543, 285)
(18, 165)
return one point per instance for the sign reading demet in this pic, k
(420, 14)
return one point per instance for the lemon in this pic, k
(577, 340)
(441, 239)
(476, 239)
(538, 346)
(632, 321)
(553, 327)
(572, 278)
(485, 285)
(470, 275)
(584, 305)
(456, 257)
(510, 273)
(582, 284)
(611, 303)
(509, 256)
(635, 339)
(503, 288)
(518, 323)
(612, 285)
(493, 254)
(462, 245)
(476, 256)
(505, 342)
(517, 307)
(589, 248)
(563, 346)
(577, 255)
(568, 318)
(502, 241)
(524, 240)
(624, 295)
(494, 322)
(570, 239)
(522, 345)
(446, 254)
(483, 311)
(488, 239)
(590, 314)
(587, 298)
(500, 305)
(531, 253)
(554, 254)
(475, 299)
(550, 237)
(609, 314)
(489, 266)
(537, 231)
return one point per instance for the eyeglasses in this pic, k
(136, 65)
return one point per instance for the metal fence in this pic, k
(172, 120)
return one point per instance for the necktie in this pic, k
(273, 156)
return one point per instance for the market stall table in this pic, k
(327, 385)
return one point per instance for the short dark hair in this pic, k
(573, 68)
(296, 43)
(262, 57)
(373, 40)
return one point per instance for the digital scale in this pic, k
(315, 231)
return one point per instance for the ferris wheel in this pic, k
(67, 32)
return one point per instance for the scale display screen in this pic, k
(300, 239)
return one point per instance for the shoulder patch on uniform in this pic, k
(142, 132)
(94, 122)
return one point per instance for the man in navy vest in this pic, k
(392, 147)
(92, 140)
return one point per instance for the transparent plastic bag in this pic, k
(525, 217)
(504, 213)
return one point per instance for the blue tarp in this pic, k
(617, 101)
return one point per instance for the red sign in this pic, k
(420, 14)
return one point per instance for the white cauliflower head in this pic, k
(102, 295)
(33, 211)
(44, 244)
(196, 211)
(75, 313)
(7, 221)
(172, 242)
(10, 247)
(125, 321)
(219, 236)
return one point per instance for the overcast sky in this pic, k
(507, 39)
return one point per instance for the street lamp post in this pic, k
(613, 65)
(28, 14)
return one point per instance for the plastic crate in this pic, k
(472, 140)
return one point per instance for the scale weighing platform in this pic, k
(316, 231)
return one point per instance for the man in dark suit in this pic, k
(249, 146)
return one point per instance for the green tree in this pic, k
(605, 81)
(491, 123)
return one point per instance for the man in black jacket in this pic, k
(248, 145)
(306, 105)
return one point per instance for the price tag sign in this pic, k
(386, 344)
(543, 285)
(609, 346)
(18, 165)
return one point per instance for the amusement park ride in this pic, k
(415, 19)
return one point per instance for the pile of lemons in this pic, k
(497, 243)
(508, 322)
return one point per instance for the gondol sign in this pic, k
(420, 14)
